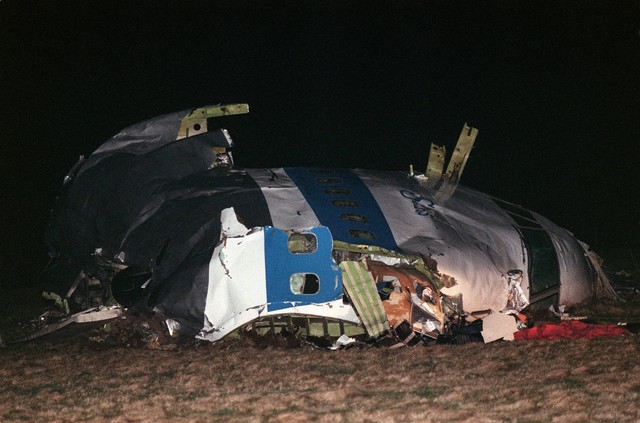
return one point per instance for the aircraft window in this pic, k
(362, 234)
(329, 180)
(333, 191)
(302, 243)
(344, 203)
(197, 126)
(304, 283)
(353, 217)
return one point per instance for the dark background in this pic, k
(554, 88)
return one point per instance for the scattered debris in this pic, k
(343, 341)
(47, 322)
(563, 315)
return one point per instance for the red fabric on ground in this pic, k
(569, 329)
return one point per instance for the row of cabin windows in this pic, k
(348, 217)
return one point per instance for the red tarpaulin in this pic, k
(569, 330)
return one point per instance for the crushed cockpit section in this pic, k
(160, 218)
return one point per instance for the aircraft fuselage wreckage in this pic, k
(160, 217)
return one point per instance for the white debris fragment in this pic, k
(341, 342)
(498, 326)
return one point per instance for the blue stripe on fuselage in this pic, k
(334, 193)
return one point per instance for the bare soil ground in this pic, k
(73, 378)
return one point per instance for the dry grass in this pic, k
(570, 380)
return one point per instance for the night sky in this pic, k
(554, 88)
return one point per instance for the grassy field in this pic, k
(74, 378)
(564, 381)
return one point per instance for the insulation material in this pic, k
(361, 287)
(413, 298)
(516, 299)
